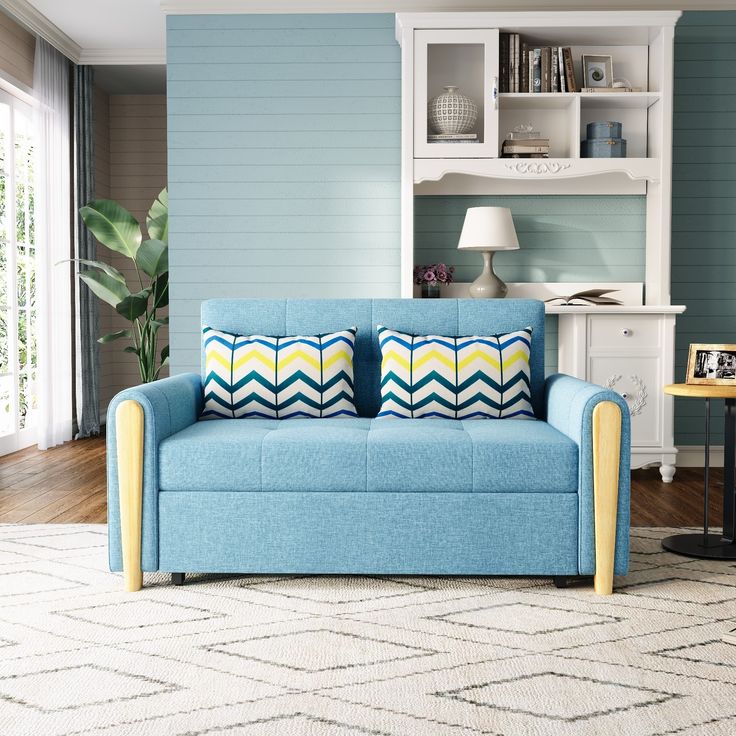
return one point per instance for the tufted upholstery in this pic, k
(358, 454)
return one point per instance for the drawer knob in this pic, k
(626, 332)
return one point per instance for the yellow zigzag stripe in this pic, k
(478, 354)
(396, 358)
(252, 355)
(284, 362)
(341, 355)
(434, 355)
(518, 355)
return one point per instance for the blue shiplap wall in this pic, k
(704, 197)
(284, 176)
(284, 161)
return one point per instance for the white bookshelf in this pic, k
(462, 49)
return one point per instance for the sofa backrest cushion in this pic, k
(416, 316)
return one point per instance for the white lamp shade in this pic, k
(488, 228)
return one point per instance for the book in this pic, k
(546, 68)
(528, 142)
(525, 155)
(536, 70)
(503, 52)
(569, 70)
(517, 60)
(555, 74)
(511, 62)
(589, 296)
(524, 68)
(561, 69)
(526, 149)
(452, 137)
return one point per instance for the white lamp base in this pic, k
(488, 285)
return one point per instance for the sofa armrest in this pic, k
(169, 405)
(569, 405)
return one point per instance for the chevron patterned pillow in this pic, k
(278, 377)
(455, 377)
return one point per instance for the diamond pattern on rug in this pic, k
(67, 688)
(524, 618)
(358, 656)
(319, 650)
(335, 590)
(575, 698)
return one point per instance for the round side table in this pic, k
(705, 545)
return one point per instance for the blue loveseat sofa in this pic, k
(544, 497)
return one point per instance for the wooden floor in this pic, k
(67, 484)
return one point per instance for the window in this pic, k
(18, 316)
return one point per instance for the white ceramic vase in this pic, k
(451, 113)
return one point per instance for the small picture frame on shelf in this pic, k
(597, 70)
(711, 365)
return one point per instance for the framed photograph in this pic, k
(711, 365)
(597, 71)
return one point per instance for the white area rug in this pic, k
(307, 656)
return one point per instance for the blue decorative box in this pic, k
(604, 148)
(608, 129)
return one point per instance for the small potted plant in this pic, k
(430, 278)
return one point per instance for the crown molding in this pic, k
(38, 23)
(218, 7)
(113, 57)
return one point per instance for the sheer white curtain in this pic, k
(53, 203)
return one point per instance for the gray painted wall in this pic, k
(704, 198)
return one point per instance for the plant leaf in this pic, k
(161, 291)
(109, 270)
(157, 324)
(131, 349)
(113, 226)
(134, 305)
(153, 257)
(105, 287)
(164, 360)
(157, 221)
(114, 336)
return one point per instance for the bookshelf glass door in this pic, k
(456, 94)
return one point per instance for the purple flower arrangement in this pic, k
(434, 275)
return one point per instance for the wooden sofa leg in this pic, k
(129, 429)
(606, 457)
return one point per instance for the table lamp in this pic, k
(488, 229)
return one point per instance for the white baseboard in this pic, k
(693, 456)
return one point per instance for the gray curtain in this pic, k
(88, 320)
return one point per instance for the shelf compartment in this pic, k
(555, 115)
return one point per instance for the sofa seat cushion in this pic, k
(359, 454)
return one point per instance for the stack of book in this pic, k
(525, 68)
(452, 138)
(525, 144)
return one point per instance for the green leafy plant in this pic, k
(118, 230)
